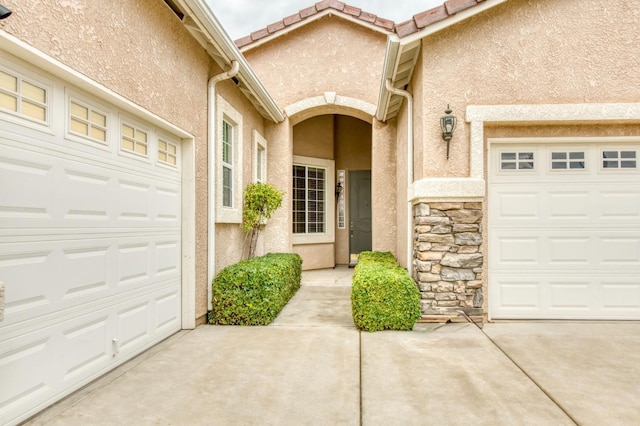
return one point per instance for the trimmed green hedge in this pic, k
(254, 291)
(383, 295)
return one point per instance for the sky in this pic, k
(241, 17)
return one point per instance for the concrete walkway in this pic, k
(313, 367)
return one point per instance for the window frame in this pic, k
(92, 106)
(163, 137)
(619, 169)
(35, 80)
(233, 213)
(328, 236)
(259, 161)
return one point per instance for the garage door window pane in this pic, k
(517, 161)
(619, 160)
(167, 153)
(87, 122)
(563, 160)
(134, 140)
(22, 97)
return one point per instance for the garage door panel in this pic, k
(50, 276)
(57, 189)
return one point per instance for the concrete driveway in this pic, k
(313, 367)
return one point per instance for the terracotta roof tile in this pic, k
(417, 23)
(405, 28)
(430, 16)
(276, 26)
(455, 6)
(354, 11)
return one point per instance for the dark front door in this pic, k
(359, 212)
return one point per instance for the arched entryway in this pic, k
(331, 193)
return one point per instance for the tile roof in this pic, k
(413, 25)
(431, 16)
(354, 12)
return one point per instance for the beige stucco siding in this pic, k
(330, 55)
(524, 52)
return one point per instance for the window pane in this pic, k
(559, 165)
(141, 136)
(628, 154)
(8, 82)
(33, 92)
(79, 111)
(576, 155)
(508, 166)
(525, 156)
(628, 164)
(127, 144)
(526, 165)
(558, 155)
(162, 156)
(34, 111)
(8, 102)
(508, 156)
(610, 164)
(172, 149)
(127, 131)
(79, 126)
(610, 154)
(172, 159)
(576, 165)
(227, 179)
(98, 119)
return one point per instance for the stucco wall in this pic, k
(526, 52)
(329, 55)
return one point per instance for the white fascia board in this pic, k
(388, 70)
(201, 13)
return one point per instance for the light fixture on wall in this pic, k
(4, 12)
(448, 125)
(339, 189)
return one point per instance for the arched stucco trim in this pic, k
(330, 103)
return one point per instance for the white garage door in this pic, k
(564, 231)
(89, 238)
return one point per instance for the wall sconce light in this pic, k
(448, 125)
(339, 189)
(4, 12)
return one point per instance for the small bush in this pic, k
(383, 295)
(254, 291)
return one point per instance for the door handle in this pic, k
(351, 228)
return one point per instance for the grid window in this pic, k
(167, 153)
(22, 97)
(517, 161)
(227, 164)
(309, 199)
(134, 140)
(568, 160)
(87, 122)
(619, 159)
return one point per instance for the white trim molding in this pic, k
(360, 109)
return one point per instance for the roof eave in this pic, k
(207, 30)
(397, 47)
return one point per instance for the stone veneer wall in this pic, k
(448, 260)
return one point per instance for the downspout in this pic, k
(211, 193)
(409, 98)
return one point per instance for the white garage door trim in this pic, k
(572, 261)
(33, 59)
